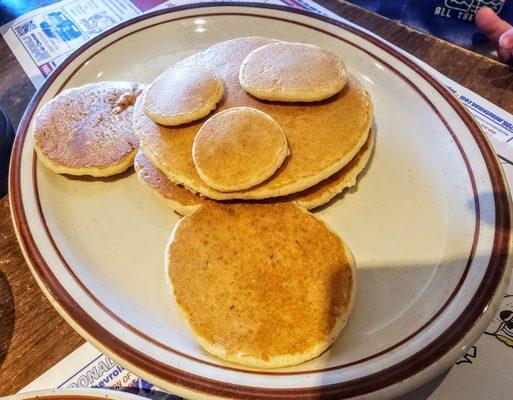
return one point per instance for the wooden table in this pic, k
(33, 337)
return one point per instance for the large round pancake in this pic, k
(292, 72)
(183, 201)
(183, 94)
(238, 148)
(263, 285)
(322, 137)
(88, 130)
(327, 189)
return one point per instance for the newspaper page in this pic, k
(43, 38)
(87, 367)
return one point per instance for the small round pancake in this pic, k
(176, 197)
(263, 285)
(183, 201)
(323, 137)
(183, 94)
(292, 72)
(238, 148)
(88, 130)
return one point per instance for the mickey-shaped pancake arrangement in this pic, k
(323, 137)
(277, 128)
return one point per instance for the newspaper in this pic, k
(43, 38)
(40, 40)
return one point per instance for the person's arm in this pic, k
(498, 32)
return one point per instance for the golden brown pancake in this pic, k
(183, 94)
(179, 199)
(323, 137)
(292, 72)
(326, 190)
(263, 285)
(88, 130)
(183, 201)
(238, 148)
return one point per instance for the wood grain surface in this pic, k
(33, 337)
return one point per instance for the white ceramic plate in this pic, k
(429, 223)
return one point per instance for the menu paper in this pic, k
(87, 367)
(40, 40)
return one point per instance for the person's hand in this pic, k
(498, 32)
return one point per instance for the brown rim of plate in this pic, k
(396, 373)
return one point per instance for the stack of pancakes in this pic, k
(329, 141)
(241, 139)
